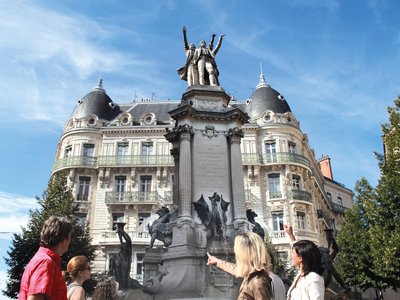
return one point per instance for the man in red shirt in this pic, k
(42, 278)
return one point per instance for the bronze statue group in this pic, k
(200, 67)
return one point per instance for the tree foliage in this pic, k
(370, 238)
(56, 200)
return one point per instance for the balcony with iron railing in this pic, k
(279, 236)
(337, 207)
(113, 160)
(75, 161)
(285, 157)
(82, 205)
(133, 198)
(135, 160)
(110, 237)
(250, 158)
(295, 194)
(82, 197)
(323, 216)
(275, 195)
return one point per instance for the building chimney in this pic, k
(325, 166)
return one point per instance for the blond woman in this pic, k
(252, 264)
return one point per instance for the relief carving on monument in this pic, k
(210, 131)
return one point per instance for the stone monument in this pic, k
(208, 191)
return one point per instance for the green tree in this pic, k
(56, 200)
(385, 212)
(355, 260)
(370, 237)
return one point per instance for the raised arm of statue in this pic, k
(211, 45)
(185, 38)
(218, 44)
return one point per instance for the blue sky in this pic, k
(336, 63)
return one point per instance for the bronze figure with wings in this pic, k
(213, 218)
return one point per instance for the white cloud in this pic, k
(12, 203)
(39, 35)
(12, 224)
(3, 280)
(47, 53)
(14, 212)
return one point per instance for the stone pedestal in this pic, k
(206, 141)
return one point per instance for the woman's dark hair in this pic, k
(311, 257)
(54, 231)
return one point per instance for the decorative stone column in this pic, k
(240, 223)
(185, 170)
(175, 188)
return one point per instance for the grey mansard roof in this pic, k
(98, 103)
(159, 109)
(265, 98)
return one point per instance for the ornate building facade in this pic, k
(121, 170)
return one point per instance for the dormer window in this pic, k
(148, 119)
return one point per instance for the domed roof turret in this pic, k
(98, 103)
(265, 98)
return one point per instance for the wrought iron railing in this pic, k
(132, 197)
(250, 158)
(82, 197)
(111, 237)
(278, 234)
(83, 205)
(135, 160)
(299, 195)
(337, 207)
(285, 157)
(322, 215)
(275, 195)
(75, 161)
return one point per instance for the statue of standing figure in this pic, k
(120, 266)
(200, 67)
(189, 71)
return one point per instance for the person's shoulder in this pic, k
(314, 277)
(262, 274)
(275, 278)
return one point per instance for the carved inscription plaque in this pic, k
(211, 171)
